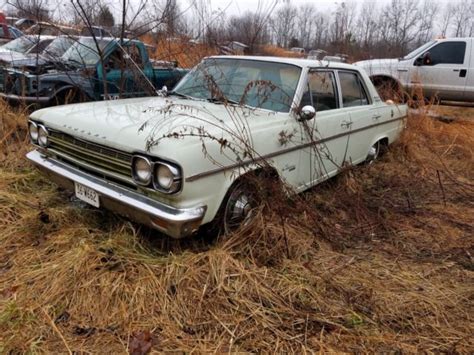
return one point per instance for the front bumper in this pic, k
(38, 100)
(172, 221)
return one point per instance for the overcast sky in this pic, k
(233, 6)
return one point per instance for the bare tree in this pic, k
(428, 10)
(401, 18)
(34, 9)
(368, 29)
(283, 24)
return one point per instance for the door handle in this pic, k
(376, 116)
(346, 124)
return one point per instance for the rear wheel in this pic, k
(376, 151)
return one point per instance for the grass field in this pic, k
(379, 259)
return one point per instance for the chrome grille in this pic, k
(96, 155)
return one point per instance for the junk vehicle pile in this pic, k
(54, 64)
(81, 74)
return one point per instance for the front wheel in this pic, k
(239, 208)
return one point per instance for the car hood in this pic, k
(132, 124)
(19, 59)
(377, 63)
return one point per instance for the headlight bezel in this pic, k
(135, 176)
(34, 140)
(176, 180)
(42, 128)
(157, 164)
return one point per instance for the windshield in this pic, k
(85, 51)
(418, 51)
(20, 45)
(254, 83)
(59, 46)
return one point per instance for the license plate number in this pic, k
(86, 194)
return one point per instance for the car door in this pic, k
(469, 89)
(442, 70)
(363, 114)
(324, 138)
(124, 72)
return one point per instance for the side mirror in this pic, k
(427, 59)
(307, 112)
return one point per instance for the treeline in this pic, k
(361, 30)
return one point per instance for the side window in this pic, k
(134, 52)
(2, 33)
(115, 60)
(353, 92)
(448, 53)
(321, 92)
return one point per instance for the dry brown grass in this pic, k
(180, 49)
(376, 260)
(274, 51)
(460, 113)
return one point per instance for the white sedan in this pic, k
(183, 160)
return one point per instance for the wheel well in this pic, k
(384, 141)
(388, 87)
(259, 173)
(383, 78)
(63, 92)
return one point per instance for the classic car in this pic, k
(443, 69)
(125, 70)
(43, 58)
(180, 162)
(29, 44)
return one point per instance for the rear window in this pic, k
(353, 92)
(321, 91)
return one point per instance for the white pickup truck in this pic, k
(443, 69)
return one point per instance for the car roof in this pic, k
(300, 62)
(41, 37)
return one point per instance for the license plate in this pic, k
(86, 194)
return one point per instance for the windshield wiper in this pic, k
(175, 93)
(222, 100)
(70, 60)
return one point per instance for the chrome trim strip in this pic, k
(284, 151)
(137, 203)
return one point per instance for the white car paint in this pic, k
(209, 168)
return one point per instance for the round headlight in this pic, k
(33, 129)
(164, 176)
(43, 136)
(167, 177)
(141, 169)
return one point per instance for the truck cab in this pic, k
(442, 69)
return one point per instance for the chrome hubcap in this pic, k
(374, 152)
(239, 210)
